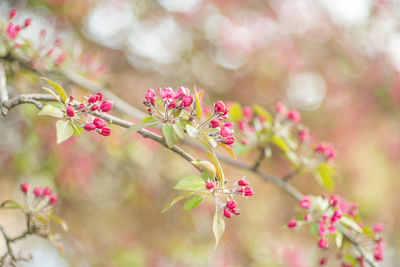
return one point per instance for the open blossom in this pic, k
(166, 92)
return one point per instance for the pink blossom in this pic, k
(306, 202)
(166, 92)
(292, 223)
(25, 187)
(323, 243)
(294, 116)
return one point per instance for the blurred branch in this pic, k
(9, 252)
(3, 86)
(259, 159)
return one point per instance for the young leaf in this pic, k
(324, 174)
(197, 103)
(60, 91)
(218, 226)
(228, 149)
(50, 110)
(218, 168)
(192, 202)
(339, 239)
(349, 222)
(176, 200)
(64, 131)
(191, 183)
(279, 142)
(60, 221)
(235, 112)
(171, 138)
(207, 176)
(177, 126)
(10, 204)
(52, 93)
(261, 111)
(206, 165)
(148, 118)
(192, 131)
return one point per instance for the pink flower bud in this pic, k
(172, 104)
(58, 42)
(209, 185)
(323, 243)
(38, 191)
(47, 191)
(225, 132)
(166, 92)
(305, 203)
(215, 123)
(94, 107)
(243, 182)
(332, 229)
(294, 116)
(106, 105)
(71, 98)
(27, 22)
(229, 125)
(187, 100)
(227, 213)
(303, 135)
(99, 123)
(248, 191)
(60, 59)
(229, 140)
(334, 200)
(322, 261)
(245, 142)
(306, 216)
(105, 131)
(13, 30)
(236, 211)
(219, 107)
(12, 13)
(292, 223)
(280, 108)
(150, 96)
(90, 127)
(53, 199)
(247, 113)
(183, 91)
(231, 204)
(25, 187)
(70, 111)
(99, 96)
(378, 227)
(92, 99)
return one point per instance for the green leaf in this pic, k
(240, 149)
(207, 176)
(140, 125)
(177, 126)
(60, 91)
(218, 226)
(209, 139)
(192, 202)
(176, 200)
(314, 228)
(191, 183)
(148, 118)
(52, 93)
(205, 165)
(280, 142)
(235, 112)
(50, 110)
(60, 221)
(324, 174)
(263, 112)
(171, 138)
(349, 222)
(218, 168)
(228, 149)
(197, 103)
(339, 239)
(11, 204)
(64, 131)
(192, 131)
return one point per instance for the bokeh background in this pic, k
(337, 62)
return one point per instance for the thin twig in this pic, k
(259, 159)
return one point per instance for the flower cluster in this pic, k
(228, 208)
(171, 106)
(42, 196)
(330, 215)
(13, 29)
(79, 113)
